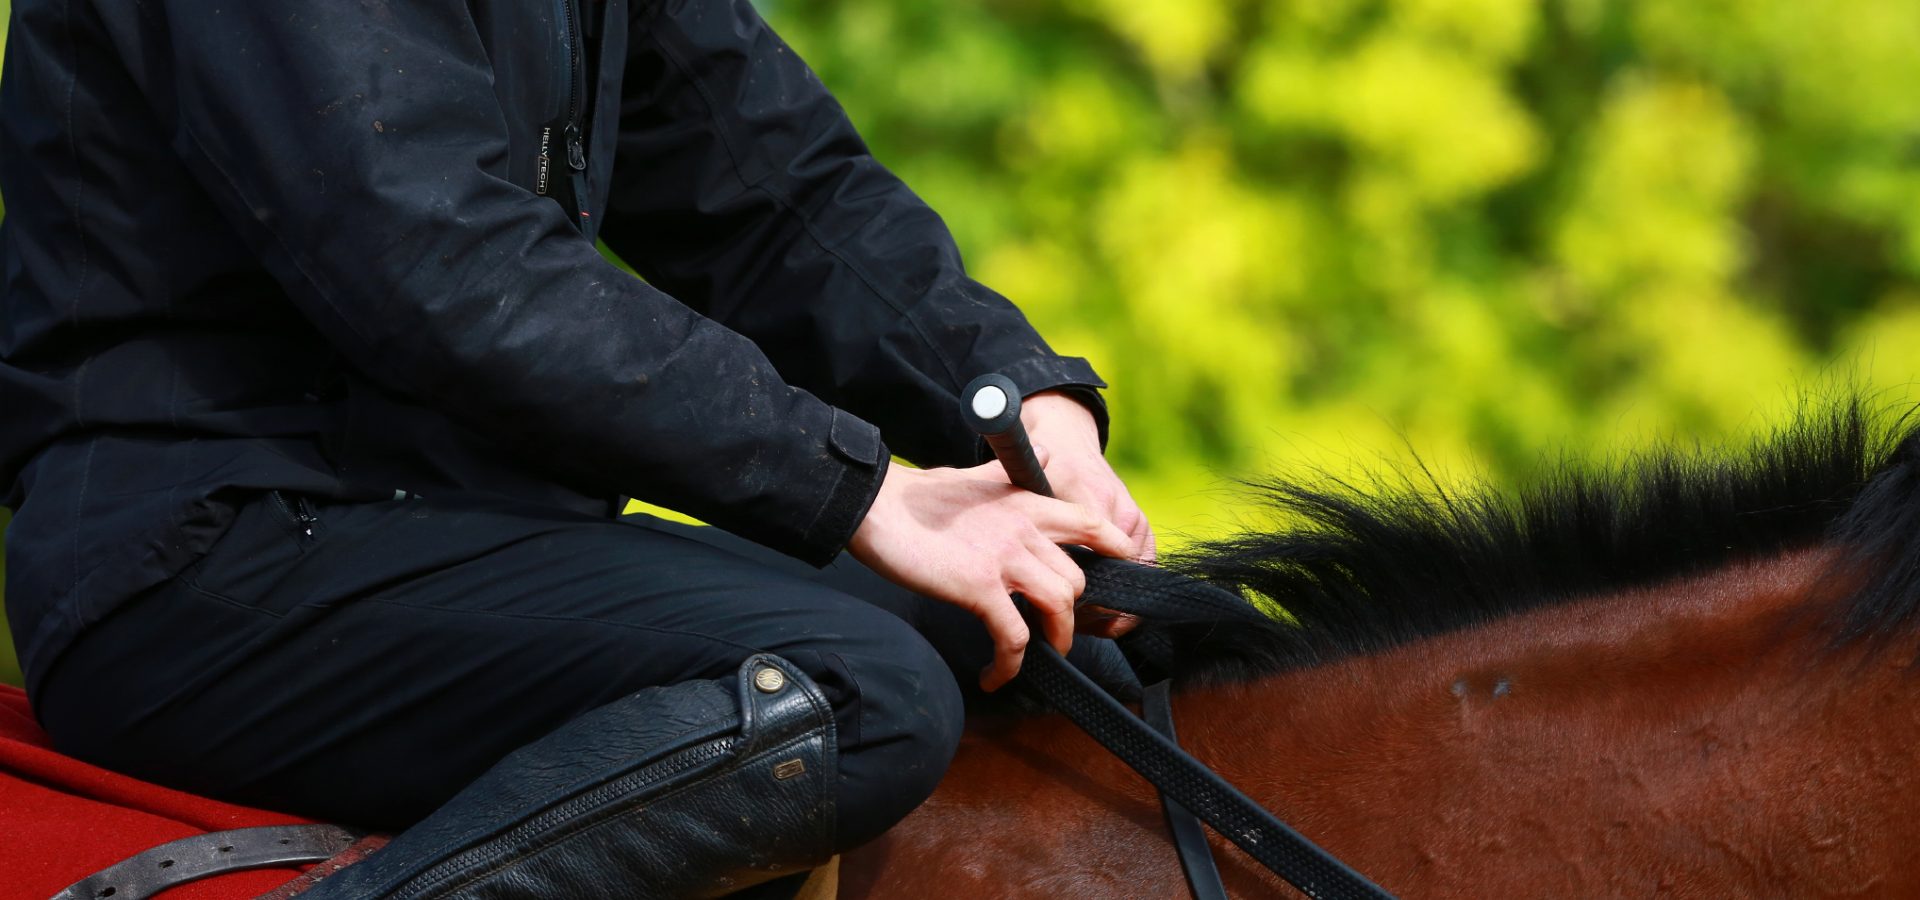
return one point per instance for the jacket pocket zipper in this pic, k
(299, 510)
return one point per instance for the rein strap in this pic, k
(1185, 780)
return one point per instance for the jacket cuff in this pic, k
(1071, 375)
(864, 456)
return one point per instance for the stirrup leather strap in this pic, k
(206, 855)
(1189, 837)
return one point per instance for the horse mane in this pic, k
(1362, 568)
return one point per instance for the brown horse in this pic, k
(1691, 677)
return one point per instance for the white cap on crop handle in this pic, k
(989, 402)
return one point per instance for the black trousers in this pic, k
(361, 663)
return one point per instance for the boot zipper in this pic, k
(473, 862)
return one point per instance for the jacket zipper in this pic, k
(299, 511)
(575, 148)
(466, 864)
(571, 37)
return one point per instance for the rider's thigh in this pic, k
(366, 671)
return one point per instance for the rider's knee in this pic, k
(899, 714)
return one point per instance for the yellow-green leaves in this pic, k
(1658, 183)
(1303, 234)
(1175, 37)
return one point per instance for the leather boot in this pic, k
(693, 790)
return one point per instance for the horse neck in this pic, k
(1642, 649)
(1568, 735)
(1696, 738)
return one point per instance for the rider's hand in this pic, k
(1078, 470)
(1063, 431)
(969, 538)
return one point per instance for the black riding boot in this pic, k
(693, 790)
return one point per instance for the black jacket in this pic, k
(346, 248)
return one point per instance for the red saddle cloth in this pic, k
(62, 820)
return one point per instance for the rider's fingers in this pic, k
(1009, 633)
(1149, 553)
(1127, 515)
(1072, 523)
(1058, 560)
(1133, 521)
(1049, 595)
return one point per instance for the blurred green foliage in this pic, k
(1310, 233)
(1315, 233)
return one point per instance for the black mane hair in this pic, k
(1364, 568)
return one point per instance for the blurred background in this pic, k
(1316, 235)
